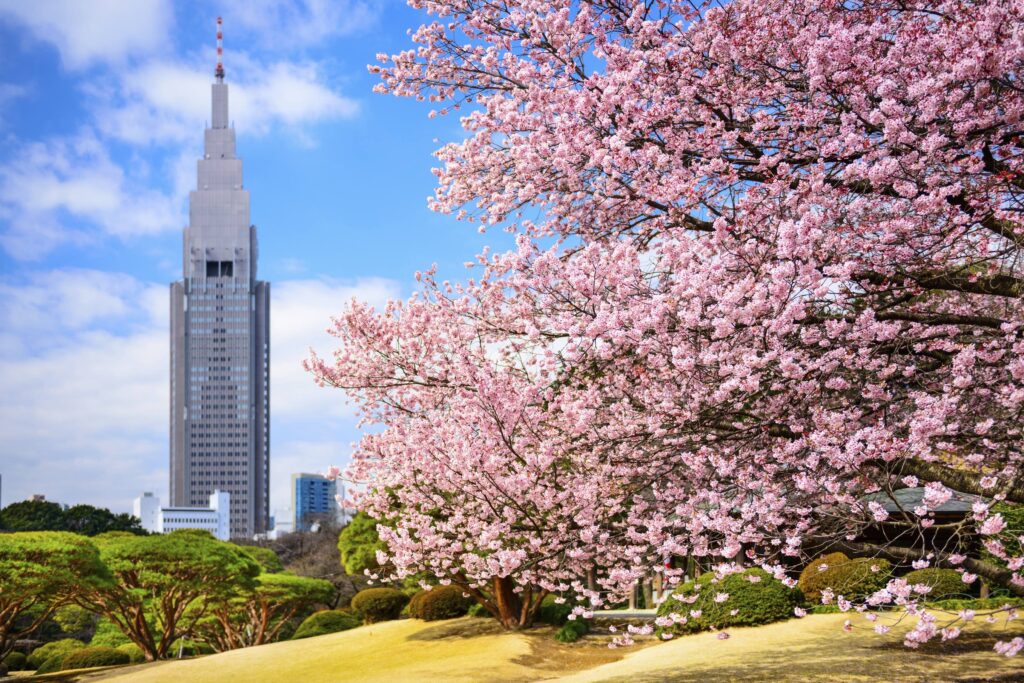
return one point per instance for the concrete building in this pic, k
(215, 518)
(220, 341)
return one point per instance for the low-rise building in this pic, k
(163, 520)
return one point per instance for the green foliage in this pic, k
(50, 665)
(189, 570)
(477, 610)
(56, 649)
(955, 605)
(379, 604)
(551, 612)
(108, 634)
(945, 583)
(15, 661)
(39, 572)
(761, 601)
(74, 619)
(41, 515)
(266, 558)
(358, 544)
(134, 652)
(89, 657)
(327, 621)
(1013, 515)
(807, 576)
(440, 602)
(258, 616)
(32, 515)
(572, 631)
(852, 579)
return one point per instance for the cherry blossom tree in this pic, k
(768, 263)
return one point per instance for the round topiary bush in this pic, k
(327, 621)
(89, 657)
(945, 583)
(744, 599)
(57, 649)
(134, 652)
(440, 602)
(817, 565)
(379, 604)
(856, 578)
(15, 661)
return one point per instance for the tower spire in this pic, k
(219, 72)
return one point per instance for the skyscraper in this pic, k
(220, 340)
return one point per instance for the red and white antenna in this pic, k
(219, 73)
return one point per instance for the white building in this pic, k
(216, 519)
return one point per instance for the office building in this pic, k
(220, 341)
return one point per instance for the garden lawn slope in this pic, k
(811, 649)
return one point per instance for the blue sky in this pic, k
(102, 109)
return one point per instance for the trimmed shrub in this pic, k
(945, 583)
(552, 613)
(134, 652)
(807, 576)
(412, 609)
(15, 661)
(58, 648)
(956, 605)
(572, 631)
(52, 664)
(88, 657)
(853, 579)
(440, 602)
(379, 604)
(756, 596)
(326, 621)
(477, 610)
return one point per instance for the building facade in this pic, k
(313, 499)
(160, 520)
(220, 342)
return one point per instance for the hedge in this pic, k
(15, 661)
(326, 621)
(945, 583)
(58, 647)
(807, 578)
(440, 602)
(379, 604)
(853, 579)
(134, 652)
(755, 595)
(89, 657)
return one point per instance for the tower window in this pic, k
(220, 268)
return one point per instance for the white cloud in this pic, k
(84, 361)
(92, 31)
(300, 314)
(165, 101)
(289, 24)
(43, 185)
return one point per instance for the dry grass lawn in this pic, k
(811, 649)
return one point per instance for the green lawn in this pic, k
(811, 649)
